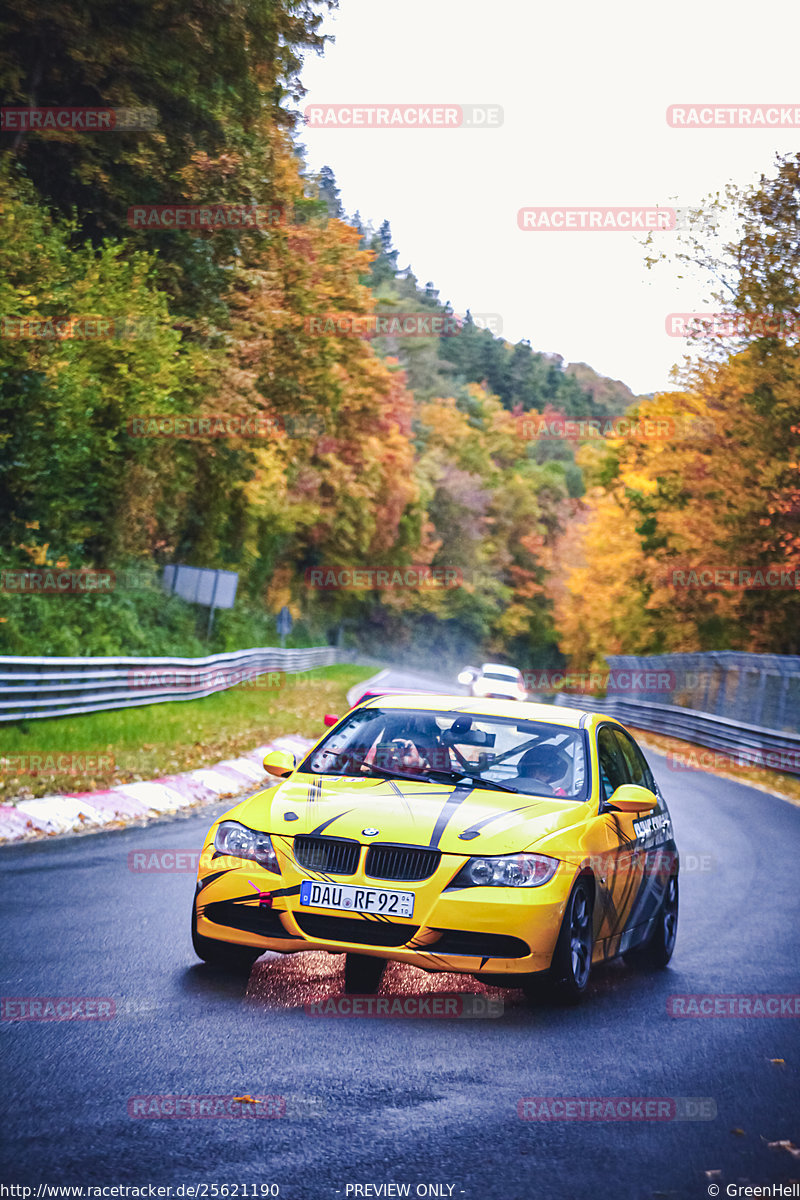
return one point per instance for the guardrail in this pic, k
(32, 688)
(745, 743)
(762, 690)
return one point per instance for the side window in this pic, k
(613, 772)
(638, 770)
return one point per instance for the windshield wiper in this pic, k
(475, 780)
(479, 781)
(388, 772)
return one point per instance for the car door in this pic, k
(653, 833)
(626, 863)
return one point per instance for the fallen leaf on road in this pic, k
(246, 1100)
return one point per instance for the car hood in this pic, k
(416, 814)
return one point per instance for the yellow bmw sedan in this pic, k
(520, 843)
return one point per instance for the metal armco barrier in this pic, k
(757, 689)
(59, 687)
(733, 685)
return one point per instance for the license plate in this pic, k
(348, 898)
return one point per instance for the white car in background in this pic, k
(494, 681)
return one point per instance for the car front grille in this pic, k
(353, 929)
(410, 863)
(334, 856)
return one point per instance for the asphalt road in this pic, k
(404, 1101)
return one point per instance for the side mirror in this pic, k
(279, 763)
(329, 719)
(630, 798)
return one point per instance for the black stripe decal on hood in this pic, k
(476, 828)
(456, 797)
(329, 821)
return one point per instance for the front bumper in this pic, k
(499, 931)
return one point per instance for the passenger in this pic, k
(541, 769)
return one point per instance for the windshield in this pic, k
(529, 757)
(507, 676)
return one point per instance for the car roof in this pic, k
(500, 667)
(547, 713)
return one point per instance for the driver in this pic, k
(414, 746)
(542, 765)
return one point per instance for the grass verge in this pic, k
(129, 744)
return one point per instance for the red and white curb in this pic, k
(131, 802)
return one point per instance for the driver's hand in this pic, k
(408, 756)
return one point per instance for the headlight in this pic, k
(241, 842)
(510, 870)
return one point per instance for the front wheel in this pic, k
(222, 954)
(572, 959)
(362, 974)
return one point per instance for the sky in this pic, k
(584, 89)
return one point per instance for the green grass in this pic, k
(162, 739)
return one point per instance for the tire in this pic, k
(657, 950)
(362, 974)
(572, 958)
(237, 959)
